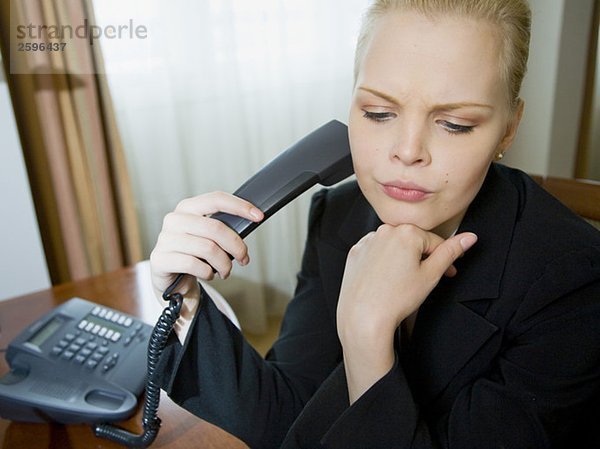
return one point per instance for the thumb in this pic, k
(450, 250)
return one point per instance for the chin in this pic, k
(395, 219)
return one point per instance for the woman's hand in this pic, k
(388, 275)
(192, 243)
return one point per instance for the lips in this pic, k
(405, 191)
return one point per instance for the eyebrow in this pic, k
(439, 107)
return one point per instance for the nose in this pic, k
(410, 147)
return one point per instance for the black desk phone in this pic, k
(80, 363)
(110, 387)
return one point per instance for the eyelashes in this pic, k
(450, 127)
(379, 116)
(453, 128)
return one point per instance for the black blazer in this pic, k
(504, 355)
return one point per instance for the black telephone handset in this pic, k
(323, 157)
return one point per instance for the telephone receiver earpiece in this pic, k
(323, 157)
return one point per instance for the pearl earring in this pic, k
(499, 157)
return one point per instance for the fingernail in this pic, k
(245, 261)
(468, 241)
(257, 214)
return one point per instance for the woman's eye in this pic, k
(453, 128)
(378, 116)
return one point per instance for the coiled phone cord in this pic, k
(158, 341)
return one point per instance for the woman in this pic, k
(443, 300)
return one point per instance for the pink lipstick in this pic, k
(405, 191)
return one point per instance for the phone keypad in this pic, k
(90, 345)
(82, 350)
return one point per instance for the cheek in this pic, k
(368, 143)
(359, 146)
(463, 177)
(467, 157)
(463, 164)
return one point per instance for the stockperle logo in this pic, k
(51, 37)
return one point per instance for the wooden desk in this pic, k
(127, 290)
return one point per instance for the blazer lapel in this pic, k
(451, 326)
(446, 336)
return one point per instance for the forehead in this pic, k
(450, 58)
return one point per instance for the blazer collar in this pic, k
(492, 217)
(360, 220)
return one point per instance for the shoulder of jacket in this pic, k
(342, 214)
(548, 223)
(334, 201)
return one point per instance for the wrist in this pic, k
(366, 362)
(368, 344)
(364, 332)
(190, 290)
(372, 349)
(188, 287)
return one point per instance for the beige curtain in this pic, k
(72, 147)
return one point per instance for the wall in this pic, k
(553, 88)
(22, 263)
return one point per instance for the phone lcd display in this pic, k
(45, 332)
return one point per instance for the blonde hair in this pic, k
(512, 17)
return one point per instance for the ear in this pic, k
(512, 127)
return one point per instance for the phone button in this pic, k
(110, 362)
(91, 364)
(69, 337)
(57, 350)
(96, 357)
(67, 355)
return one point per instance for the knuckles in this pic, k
(168, 219)
(206, 272)
(212, 249)
(402, 229)
(400, 234)
(154, 258)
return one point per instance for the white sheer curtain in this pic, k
(214, 92)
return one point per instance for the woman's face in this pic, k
(428, 115)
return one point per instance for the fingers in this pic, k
(446, 252)
(192, 243)
(210, 203)
(435, 253)
(166, 263)
(207, 251)
(178, 224)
